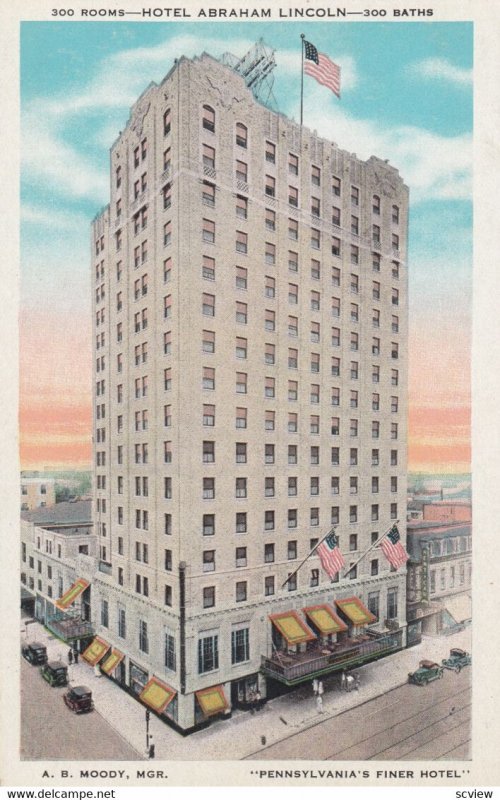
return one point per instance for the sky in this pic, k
(406, 96)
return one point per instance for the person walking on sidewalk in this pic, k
(75, 656)
(70, 656)
(343, 681)
(319, 703)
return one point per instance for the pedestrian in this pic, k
(258, 699)
(321, 688)
(315, 686)
(319, 703)
(70, 656)
(343, 684)
(357, 681)
(97, 671)
(75, 656)
(251, 701)
(350, 683)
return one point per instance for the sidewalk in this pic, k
(240, 736)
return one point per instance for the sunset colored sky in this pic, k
(406, 96)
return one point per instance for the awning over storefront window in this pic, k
(292, 627)
(112, 661)
(355, 611)
(460, 607)
(325, 619)
(212, 700)
(96, 651)
(157, 695)
(72, 594)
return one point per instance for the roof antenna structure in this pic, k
(256, 68)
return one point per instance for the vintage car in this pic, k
(34, 652)
(427, 671)
(457, 659)
(79, 699)
(55, 673)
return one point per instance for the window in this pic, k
(293, 196)
(395, 215)
(241, 207)
(241, 453)
(395, 243)
(270, 152)
(208, 118)
(208, 596)
(394, 484)
(167, 195)
(208, 342)
(270, 320)
(314, 517)
(208, 305)
(208, 231)
(270, 219)
(269, 356)
(314, 488)
(315, 207)
(315, 176)
(241, 591)
(208, 561)
(376, 262)
(336, 186)
(241, 487)
(270, 253)
(293, 229)
(208, 488)
(293, 261)
(376, 204)
(270, 186)
(269, 585)
(240, 646)
(208, 452)
(292, 454)
(169, 660)
(315, 301)
(208, 653)
(241, 417)
(241, 350)
(269, 487)
(143, 635)
(207, 194)
(375, 485)
(291, 550)
(292, 487)
(241, 174)
(208, 524)
(376, 235)
(315, 238)
(392, 603)
(394, 430)
(241, 135)
(292, 517)
(293, 164)
(293, 326)
(314, 393)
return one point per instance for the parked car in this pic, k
(79, 699)
(427, 671)
(34, 652)
(55, 673)
(457, 659)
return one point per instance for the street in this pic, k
(408, 723)
(50, 731)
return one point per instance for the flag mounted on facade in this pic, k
(330, 556)
(393, 549)
(319, 66)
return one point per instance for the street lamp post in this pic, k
(148, 715)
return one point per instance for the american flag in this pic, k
(330, 556)
(393, 549)
(319, 66)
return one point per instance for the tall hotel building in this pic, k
(250, 392)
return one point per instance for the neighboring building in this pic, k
(440, 569)
(37, 493)
(250, 332)
(58, 546)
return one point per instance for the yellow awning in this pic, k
(212, 700)
(157, 695)
(71, 595)
(355, 611)
(292, 627)
(112, 661)
(96, 651)
(325, 619)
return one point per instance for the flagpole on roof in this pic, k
(302, 37)
(372, 547)
(308, 555)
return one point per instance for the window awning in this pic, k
(72, 594)
(355, 611)
(325, 619)
(460, 607)
(292, 627)
(212, 700)
(112, 661)
(96, 651)
(157, 695)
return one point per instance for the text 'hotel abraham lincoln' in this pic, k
(250, 393)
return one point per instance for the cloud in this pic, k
(53, 218)
(434, 166)
(440, 69)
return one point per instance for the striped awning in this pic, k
(157, 695)
(325, 619)
(355, 611)
(112, 661)
(96, 651)
(212, 700)
(292, 627)
(72, 594)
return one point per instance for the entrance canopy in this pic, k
(292, 627)
(112, 661)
